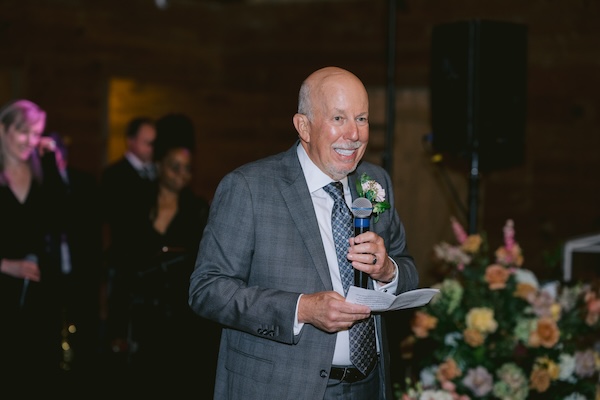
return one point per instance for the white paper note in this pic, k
(381, 301)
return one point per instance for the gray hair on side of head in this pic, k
(304, 103)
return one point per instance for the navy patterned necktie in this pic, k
(363, 350)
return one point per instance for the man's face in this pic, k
(142, 144)
(339, 131)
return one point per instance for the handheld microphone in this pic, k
(361, 209)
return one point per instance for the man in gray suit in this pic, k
(267, 269)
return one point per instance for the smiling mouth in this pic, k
(345, 152)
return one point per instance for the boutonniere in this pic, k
(372, 190)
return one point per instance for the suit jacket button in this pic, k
(324, 374)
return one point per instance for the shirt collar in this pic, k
(315, 178)
(135, 161)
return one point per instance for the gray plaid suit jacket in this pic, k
(260, 250)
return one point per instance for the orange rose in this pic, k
(471, 244)
(540, 380)
(473, 337)
(422, 323)
(448, 370)
(524, 290)
(514, 256)
(546, 333)
(496, 276)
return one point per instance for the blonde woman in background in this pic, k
(30, 334)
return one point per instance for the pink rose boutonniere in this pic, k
(373, 191)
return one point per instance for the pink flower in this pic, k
(479, 381)
(585, 363)
(507, 257)
(542, 303)
(459, 231)
(593, 308)
(509, 234)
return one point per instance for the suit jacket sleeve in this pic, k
(245, 275)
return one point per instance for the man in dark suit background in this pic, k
(126, 189)
(267, 268)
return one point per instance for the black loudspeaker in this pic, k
(478, 91)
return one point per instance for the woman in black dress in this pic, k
(166, 338)
(29, 315)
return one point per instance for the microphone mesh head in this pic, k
(362, 207)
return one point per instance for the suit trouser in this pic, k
(366, 389)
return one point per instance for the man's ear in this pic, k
(302, 127)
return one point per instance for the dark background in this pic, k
(235, 67)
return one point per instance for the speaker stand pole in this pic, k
(473, 192)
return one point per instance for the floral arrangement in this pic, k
(374, 192)
(494, 332)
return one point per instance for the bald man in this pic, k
(267, 268)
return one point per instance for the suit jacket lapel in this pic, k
(303, 213)
(352, 178)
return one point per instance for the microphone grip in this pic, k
(361, 225)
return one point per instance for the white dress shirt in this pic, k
(323, 205)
